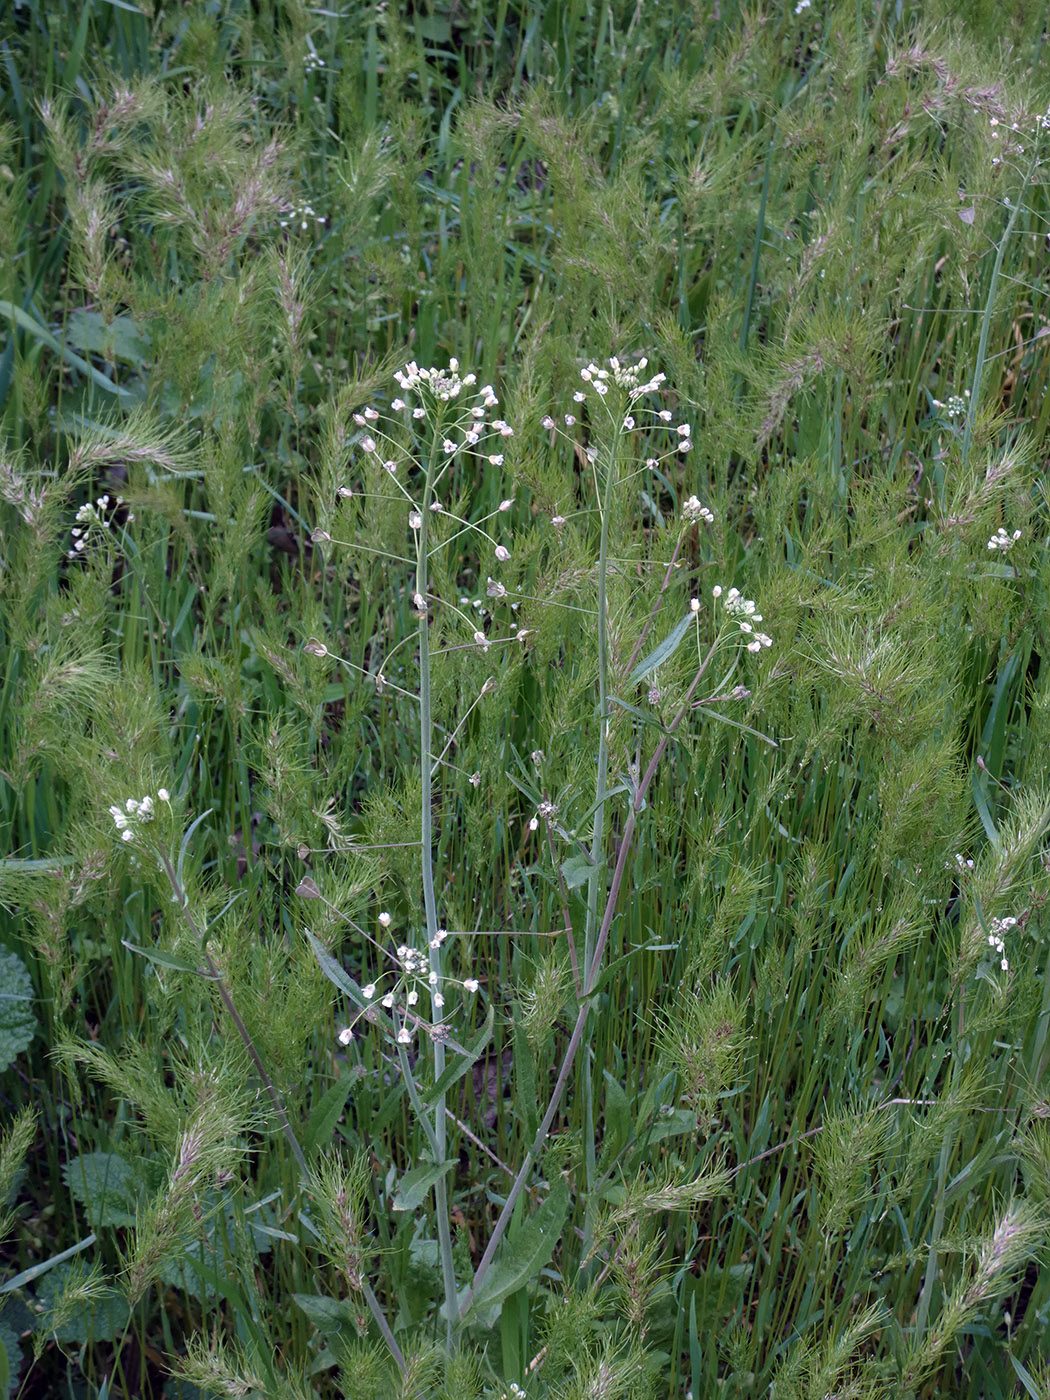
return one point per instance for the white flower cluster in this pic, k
(312, 62)
(1002, 541)
(961, 864)
(135, 813)
(956, 405)
(546, 810)
(94, 515)
(997, 940)
(743, 609)
(443, 384)
(414, 973)
(693, 511)
(626, 376)
(299, 216)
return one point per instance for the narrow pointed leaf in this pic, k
(664, 651)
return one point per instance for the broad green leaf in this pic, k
(17, 1017)
(10, 312)
(617, 1119)
(328, 1315)
(120, 340)
(664, 651)
(8, 1346)
(576, 871)
(521, 1258)
(416, 1184)
(98, 1320)
(108, 1187)
(327, 1114)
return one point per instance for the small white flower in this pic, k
(534, 823)
(694, 605)
(397, 405)
(388, 1000)
(628, 423)
(557, 521)
(470, 984)
(368, 444)
(438, 1000)
(502, 553)
(664, 415)
(506, 504)
(404, 1036)
(419, 412)
(482, 641)
(570, 419)
(413, 997)
(385, 919)
(1002, 541)
(345, 1036)
(448, 447)
(127, 834)
(579, 396)
(496, 459)
(415, 519)
(548, 422)
(369, 991)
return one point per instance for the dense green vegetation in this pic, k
(447, 948)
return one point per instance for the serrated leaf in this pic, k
(107, 1186)
(521, 1258)
(327, 1114)
(416, 1184)
(99, 1319)
(328, 1315)
(10, 1359)
(120, 340)
(17, 1018)
(664, 651)
(576, 871)
(203, 1266)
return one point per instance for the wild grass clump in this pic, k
(523, 730)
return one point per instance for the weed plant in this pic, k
(454, 942)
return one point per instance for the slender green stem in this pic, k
(436, 1134)
(598, 879)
